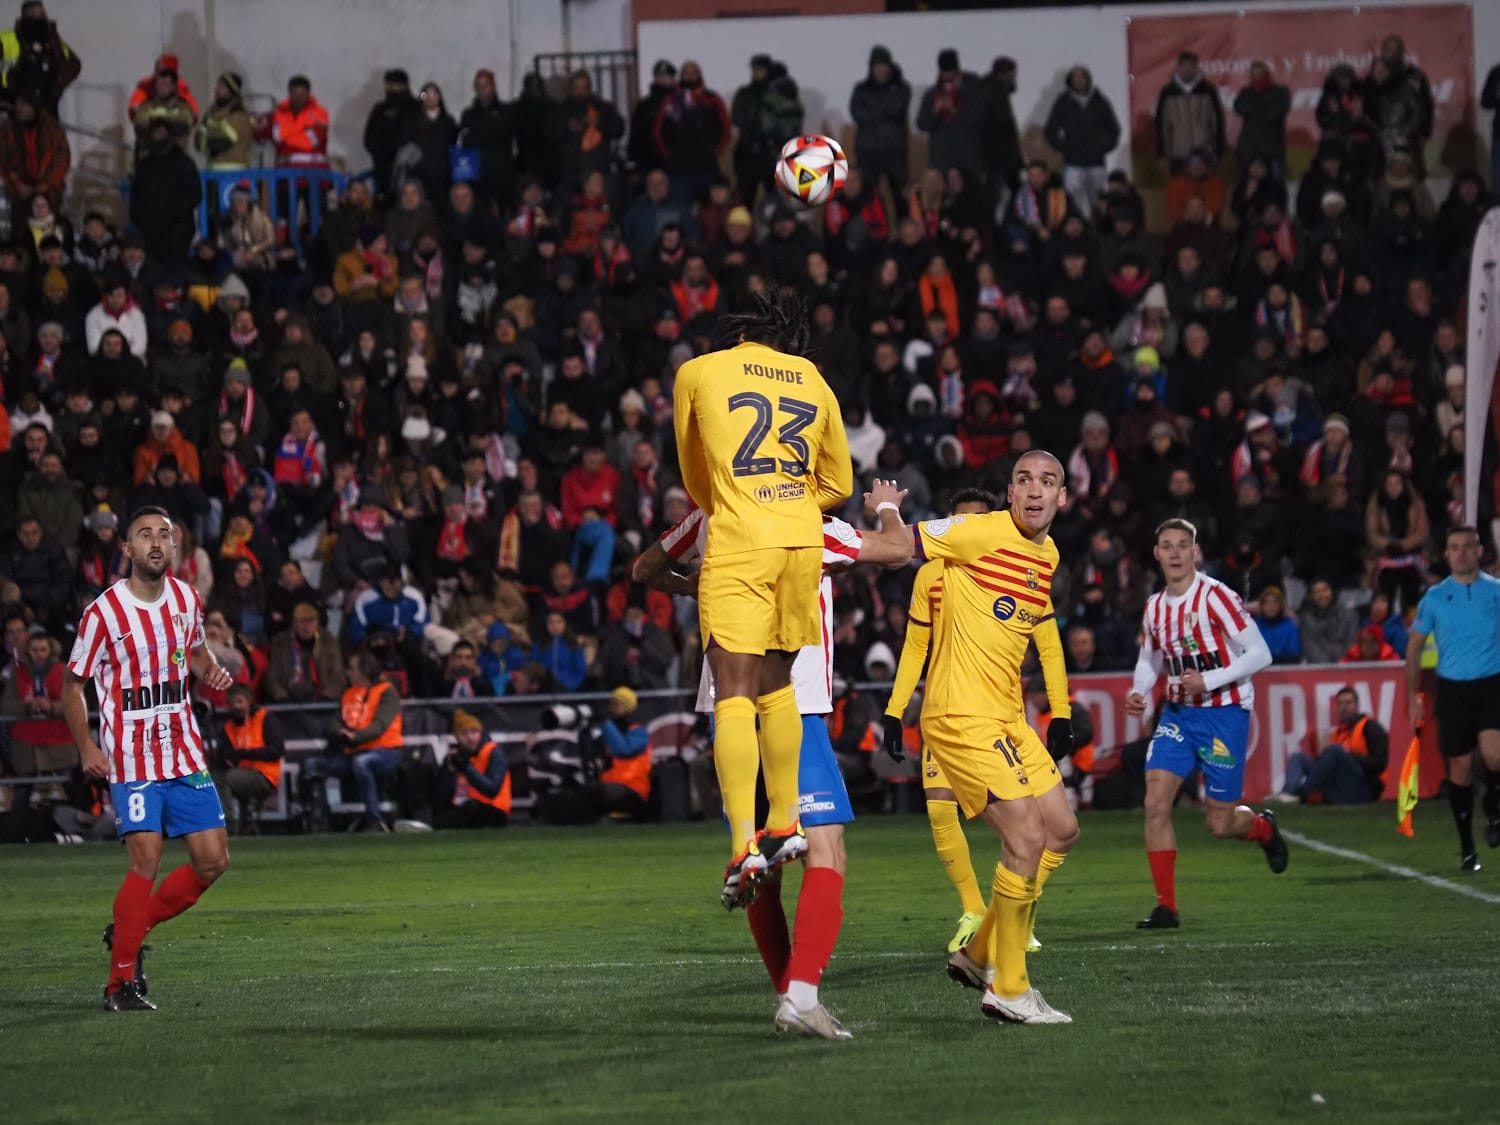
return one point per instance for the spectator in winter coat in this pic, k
(392, 605)
(952, 115)
(48, 496)
(766, 112)
(1189, 116)
(390, 121)
(116, 310)
(1401, 79)
(1000, 138)
(165, 438)
(304, 662)
(692, 131)
(164, 195)
(39, 567)
(1262, 107)
(985, 429)
(488, 126)
(879, 105)
(1083, 128)
(166, 107)
(560, 653)
(633, 651)
(226, 135)
(373, 541)
(1278, 627)
(584, 132)
(430, 134)
(34, 155)
(36, 58)
(1368, 647)
(641, 149)
(1327, 625)
(591, 484)
(1489, 98)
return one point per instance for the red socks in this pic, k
(1260, 831)
(768, 927)
(132, 907)
(1164, 875)
(820, 914)
(177, 892)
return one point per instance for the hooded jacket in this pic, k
(880, 109)
(1083, 127)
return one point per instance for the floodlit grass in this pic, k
(589, 975)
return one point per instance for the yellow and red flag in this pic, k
(1406, 785)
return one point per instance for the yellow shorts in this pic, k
(759, 601)
(985, 760)
(933, 776)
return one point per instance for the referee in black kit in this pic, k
(1462, 613)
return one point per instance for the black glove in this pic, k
(893, 740)
(1059, 738)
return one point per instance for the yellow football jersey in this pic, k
(921, 619)
(996, 592)
(762, 448)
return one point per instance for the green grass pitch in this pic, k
(589, 975)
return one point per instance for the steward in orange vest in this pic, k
(481, 788)
(252, 750)
(368, 732)
(1350, 769)
(627, 781)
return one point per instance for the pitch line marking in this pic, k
(1392, 868)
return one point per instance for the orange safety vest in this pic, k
(500, 800)
(358, 709)
(633, 773)
(1352, 739)
(251, 735)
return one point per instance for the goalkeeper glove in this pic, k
(893, 740)
(1060, 738)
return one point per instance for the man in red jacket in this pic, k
(40, 743)
(592, 483)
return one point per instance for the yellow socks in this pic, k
(953, 849)
(1051, 861)
(780, 753)
(1011, 902)
(736, 761)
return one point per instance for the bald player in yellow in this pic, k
(997, 578)
(762, 449)
(942, 806)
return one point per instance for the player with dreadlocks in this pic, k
(761, 444)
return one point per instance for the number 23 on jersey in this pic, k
(748, 460)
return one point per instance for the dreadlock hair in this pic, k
(776, 318)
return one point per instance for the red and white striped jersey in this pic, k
(138, 655)
(812, 671)
(1191, 632)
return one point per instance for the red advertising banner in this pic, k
(1301, 46)
(1293, 711)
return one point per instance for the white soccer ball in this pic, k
(811, 169)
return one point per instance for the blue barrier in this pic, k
(277, 188)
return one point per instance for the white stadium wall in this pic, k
(343, 46)
(828, 54)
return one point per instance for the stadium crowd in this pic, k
(441, 432)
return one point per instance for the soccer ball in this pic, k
(811, 169)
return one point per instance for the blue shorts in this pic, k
(172, 808)
(1214, 739)
(824, 799)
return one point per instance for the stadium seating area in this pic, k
(439, 410)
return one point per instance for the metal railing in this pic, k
(277, 189)
(613, 73)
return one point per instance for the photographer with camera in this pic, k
(586, 766)
(627, 781)
(481, 779)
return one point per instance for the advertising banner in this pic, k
(1300, 46)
